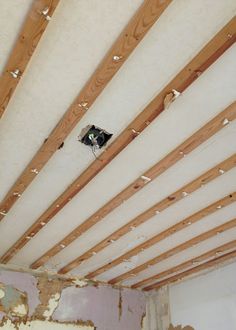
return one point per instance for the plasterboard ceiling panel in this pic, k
(192, 166)
(56, 176)
(198, 274)
(180, 174)
(179, 258)
(198, 264)
(140, 235)
(12, 17)
(121, 246)
(124, 98)
(62, 45)
(190, 267)
(177, 176)
(62, 63)
(167, 244)
(213, 191)
(205, 93)
(207, 270)
(215, 150)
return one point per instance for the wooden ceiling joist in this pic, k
(33, 28)
(128, 40)
(145, 216)
(162, 235)
(182, 150)
(177, 249)
(165, 203)
(208, 55)
(214, 253)
(204, 266)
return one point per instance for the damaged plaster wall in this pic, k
(45, 325)
(38, 301)
(111, 309)
(207, 301)
(157, 316)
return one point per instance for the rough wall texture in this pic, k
(157, 310)
(42, 302)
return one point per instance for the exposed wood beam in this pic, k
(208, 55)
(143, 217)
(206, 265)
(214, 253)
(33, 28)
(177, 249)
(128, 40)
(183, 149)
(160, 206)
(213, 50)
(164, 234)
(167, 202)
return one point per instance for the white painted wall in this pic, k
(207, 302)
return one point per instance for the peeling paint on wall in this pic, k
(25, 283)
(44, 325)
(120, 305)
(49, 295)
(179, 327)
(80, 283)
(13, 302)
(144, 322)
(2, 293)
(51, 302)
(52, 305)
(103, 301)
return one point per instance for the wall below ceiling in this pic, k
(47, 302)
(206, 302)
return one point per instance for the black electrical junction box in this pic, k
(94, 136)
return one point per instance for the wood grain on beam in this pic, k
(164, 234)
(28, 39)
(206, 265)
(160, 206)
(183, 149)
(214, 126)
(203, 257)
(143, 217)
(167, 202)
(208, 55)
(177, 249)
(131, 36)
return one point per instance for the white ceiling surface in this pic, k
(69, 49)
(176, 260)
(191, 109)
(193, 165)
(213, 191)
(186, 234)
(157, 224)
(68, 54)
(12, 17)
(181, 257)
